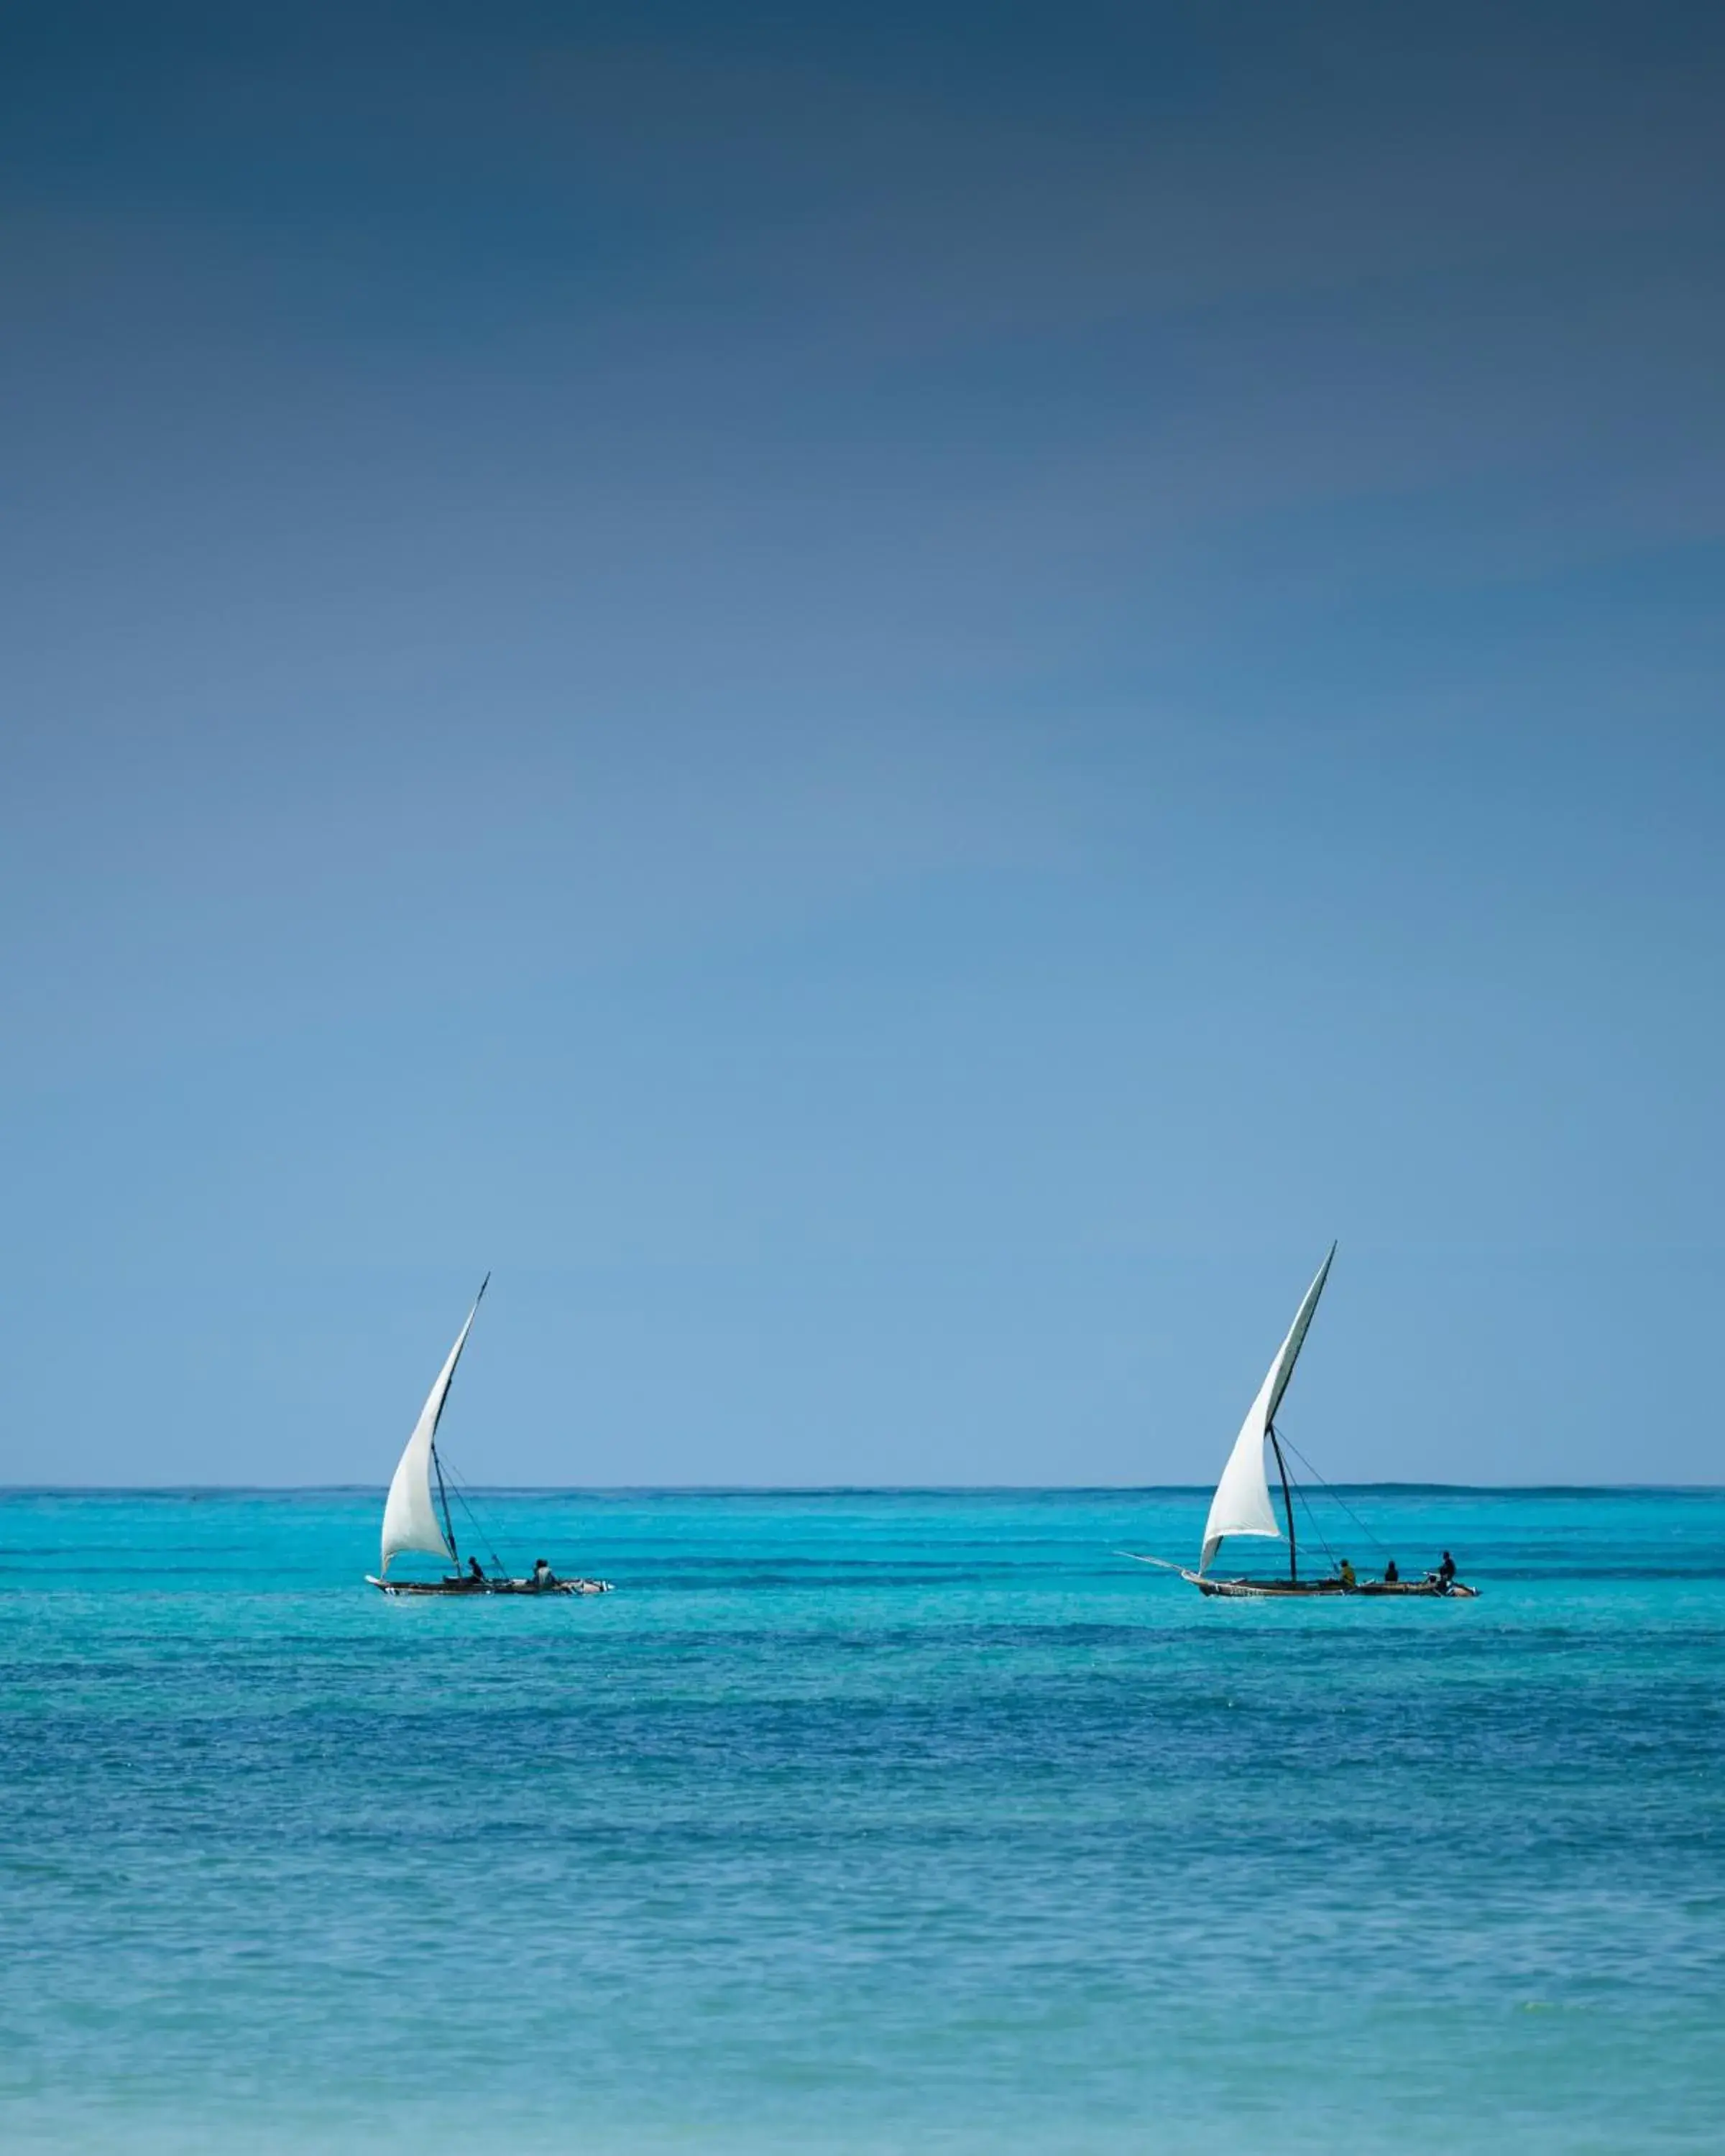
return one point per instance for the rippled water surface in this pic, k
(865, 1822)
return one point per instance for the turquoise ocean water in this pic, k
(867, 1822)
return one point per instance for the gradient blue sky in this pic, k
(889, 704)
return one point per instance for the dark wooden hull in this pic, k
(489, 1586)
(1276, 1590)
(1457, 1589)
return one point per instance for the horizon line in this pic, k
(833, 1488)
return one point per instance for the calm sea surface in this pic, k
(863, 1822)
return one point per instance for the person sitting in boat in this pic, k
(543, 1576)
(476, 1570)
(1390, 1574)
(1447, 1571)
(1345, 1570)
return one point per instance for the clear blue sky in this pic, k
(891, 705)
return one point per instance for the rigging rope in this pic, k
(478, 1526)
(1340, 1500)
(1299, 1489)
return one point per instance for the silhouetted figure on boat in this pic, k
(1345, 1570)
(543, 1576)
(476, 1570)
(1446, 1571)
(1390, 1574)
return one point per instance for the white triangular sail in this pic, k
(1241, 1505)
(410, 1520)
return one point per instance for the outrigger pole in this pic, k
(1286, 1498)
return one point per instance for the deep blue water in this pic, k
(868, 1822)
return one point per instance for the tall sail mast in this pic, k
(1287, 1505)
(443, 1496)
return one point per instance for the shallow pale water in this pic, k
(866, 1822)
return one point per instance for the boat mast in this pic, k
(1286, 1498)
(442, 1494)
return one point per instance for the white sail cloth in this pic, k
(1241, 1505)
(410, 1520)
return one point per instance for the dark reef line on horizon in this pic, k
(798, 1490)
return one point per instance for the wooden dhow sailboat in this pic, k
(1242, 1504)
(417, 1517)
